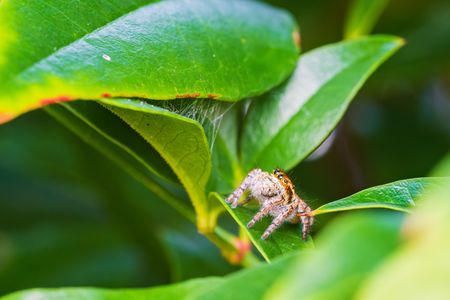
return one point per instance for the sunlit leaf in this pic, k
(167, 50)
(284, 240)
(234, 286)
(400, 195)
(346, 253)
(288, 123)
(420, 268)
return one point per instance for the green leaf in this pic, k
(185, 290)
(347, 252)
(362, 17)
(55, 52)
(288, 123)
(114, 139)
(234, 286)
(250, 283)
(420, 268)
(179, 140)
(399, 195)
(285, 240)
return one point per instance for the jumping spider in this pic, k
(277, 197)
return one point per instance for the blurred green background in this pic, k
(61, 223)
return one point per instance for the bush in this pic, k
(181, 99)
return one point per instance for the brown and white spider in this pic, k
(277, 197)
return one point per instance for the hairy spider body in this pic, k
(277, 197)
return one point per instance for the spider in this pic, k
(277, 197)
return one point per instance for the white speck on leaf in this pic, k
(106, 57)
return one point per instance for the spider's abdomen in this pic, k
(264, 187)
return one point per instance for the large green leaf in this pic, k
(285, 240)
(420, 268)
(348, 251)
(235, 286)
(179, 140)
(288, 123)
(58, 51)
(362, 17)
(250, 283)
(399, 195)
(185, 290)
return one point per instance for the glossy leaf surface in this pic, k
(172, 49)
(234, 286)
(400, 195)
(346, 253)
(185, 290)
(284, 240)
(420, 268)
(288, 123)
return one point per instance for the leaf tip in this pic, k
(395, 40)
(401, 41)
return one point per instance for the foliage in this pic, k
(185, 97)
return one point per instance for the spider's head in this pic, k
(284, 179)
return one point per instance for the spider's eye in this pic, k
(285, 181)
(280, 176)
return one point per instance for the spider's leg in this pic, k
(246, 200)
(279, 220)
(307, 220)
(265, 210)
(259, 215)
(307, 223)
(237, 194)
